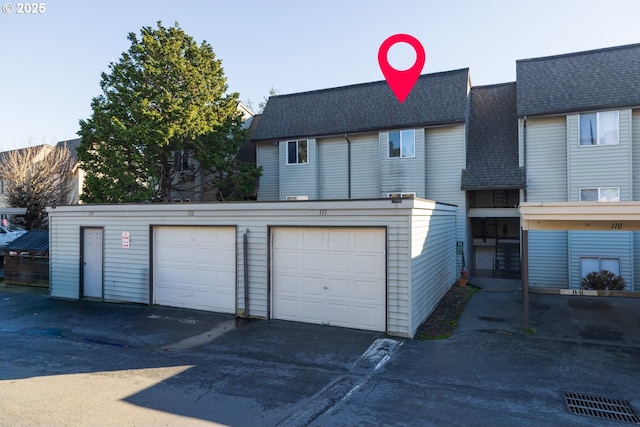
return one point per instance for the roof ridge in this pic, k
(376, 82)
(581, 53)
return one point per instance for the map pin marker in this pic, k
(401, 81)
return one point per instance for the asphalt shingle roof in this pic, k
(436, 99)
(492, 140)
(582, 81)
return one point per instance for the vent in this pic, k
(600, 407)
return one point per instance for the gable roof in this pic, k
(436, 99)
(492, 140)
(72, 145)
(582, 81)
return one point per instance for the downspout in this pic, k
(524, 156)
(346, 136)
(524, 253)
(245, 253)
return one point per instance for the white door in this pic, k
(195, 267)
(92, 263)
(333, 276)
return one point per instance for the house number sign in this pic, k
(126, 240)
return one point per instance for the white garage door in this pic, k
(195, 267)
(333, 276)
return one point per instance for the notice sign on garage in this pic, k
(126, 240)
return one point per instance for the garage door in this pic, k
(333, 276)
(195, 267)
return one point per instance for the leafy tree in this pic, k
(164, 99)
(34, 178)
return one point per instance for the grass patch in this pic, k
(444, 320)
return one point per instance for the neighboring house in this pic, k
(43, 150)
(192, 186)
(579, 127)
(77, 173)
(358, 142)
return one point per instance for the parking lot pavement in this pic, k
(89, 363)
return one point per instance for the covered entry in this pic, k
(585, 216)
(195, 267)
(333, 276)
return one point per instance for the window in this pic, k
(181, 160)
(599, 128)
(409, 195)
(589, 264)
(601, 194)
(402, 143)
(297, 152)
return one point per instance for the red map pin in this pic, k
(401, 81)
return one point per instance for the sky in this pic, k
(51, 62)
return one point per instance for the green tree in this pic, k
(164, 100)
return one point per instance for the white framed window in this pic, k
(600, 194)
(297, 152)
(599, 129)
(402, 143)
(590, 264)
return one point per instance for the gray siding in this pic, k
(299, 179)
(635, 158)
(431, 274)
(636, 261)
(267, 157)
(599, 166)
(126, 271)
(365, 167)
(445, 160)
(617, 244)
(333, 181)
(548, 259)
(635, 134)
(546, 160)
(402, 175)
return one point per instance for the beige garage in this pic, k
(195, 267)
(331, 276)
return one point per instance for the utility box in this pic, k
(26, 260)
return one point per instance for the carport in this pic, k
(585, 216)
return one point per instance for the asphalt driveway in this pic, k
(88, 363)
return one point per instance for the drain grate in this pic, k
(600, 407)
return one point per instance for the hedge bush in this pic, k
(602, 280)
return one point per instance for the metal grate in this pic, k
(600, 407)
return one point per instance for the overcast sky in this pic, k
(51, 62)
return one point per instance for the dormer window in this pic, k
(297, 152)
(599, 129)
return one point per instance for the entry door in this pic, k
(92, 262)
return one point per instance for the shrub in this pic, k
(602, 280)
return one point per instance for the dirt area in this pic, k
(444, 319)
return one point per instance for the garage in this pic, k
(332, 276)
(195, 267)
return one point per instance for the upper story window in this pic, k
(182, 160)
(599, 128)
(601, 194)
(402, 143)
(297, 152)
